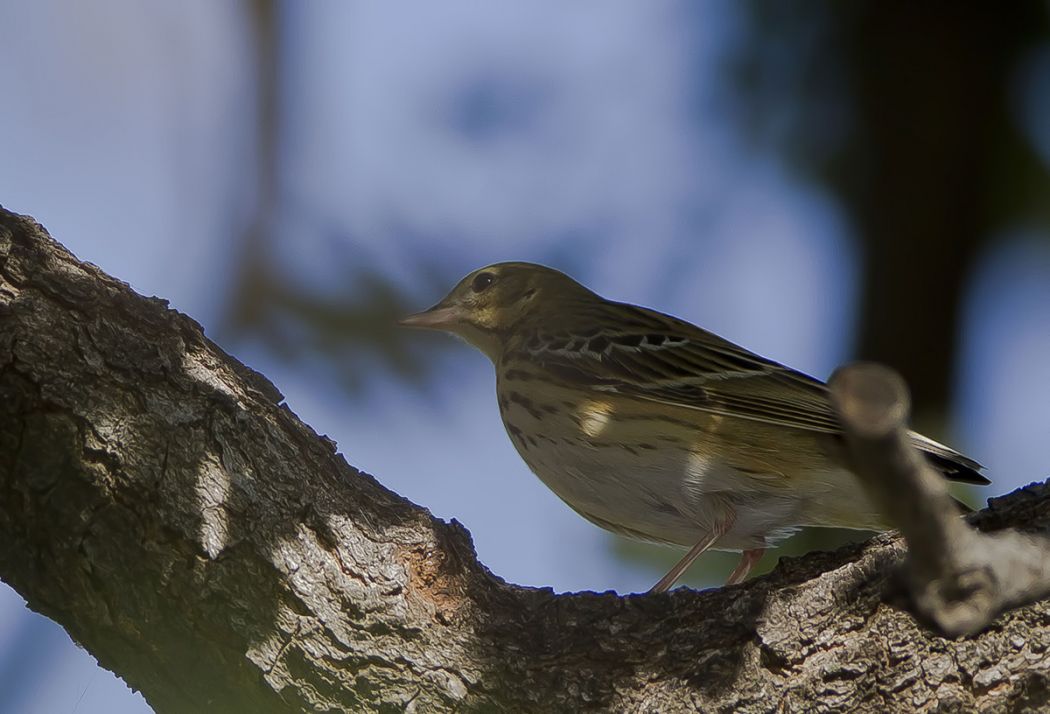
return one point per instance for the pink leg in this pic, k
(747, 561)
(667, 581)
(682, 565)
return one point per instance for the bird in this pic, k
(656, 429)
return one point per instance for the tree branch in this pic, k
(959, 577)
(160, 502)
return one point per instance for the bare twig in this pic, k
(959, 577)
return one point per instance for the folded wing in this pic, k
(658, 358)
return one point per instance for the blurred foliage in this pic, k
(830, 86)
(352, 332)
(907, 113)
(349, 331)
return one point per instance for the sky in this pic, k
(587, 136)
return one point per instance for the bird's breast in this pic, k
(618, 466)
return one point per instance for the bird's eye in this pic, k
(482, 281)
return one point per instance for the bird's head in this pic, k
(493, 304)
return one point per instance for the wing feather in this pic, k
(658, 358)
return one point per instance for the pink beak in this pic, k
(436, 318)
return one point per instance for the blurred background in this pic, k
(818, 181)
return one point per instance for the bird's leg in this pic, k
(701, 545)
(747, 561)
(682, 565)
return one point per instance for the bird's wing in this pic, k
(658, 358)
(672, 362)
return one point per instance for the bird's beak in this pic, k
(438, 317)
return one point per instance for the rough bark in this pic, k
(160, 502)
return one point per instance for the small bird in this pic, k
(656, 429)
